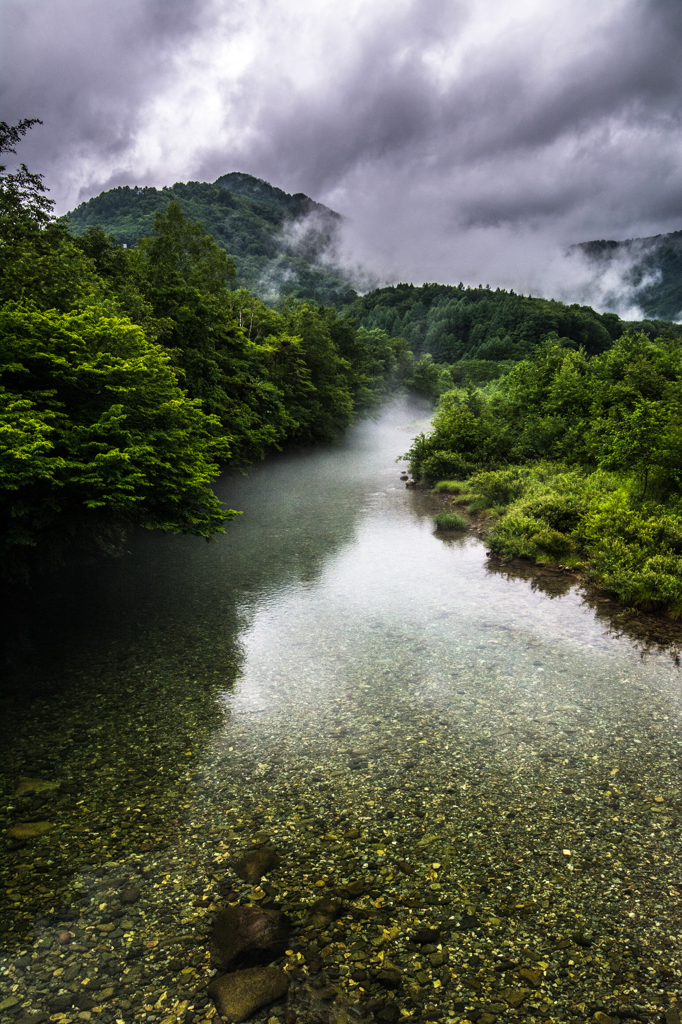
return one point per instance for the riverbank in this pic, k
(591, 526)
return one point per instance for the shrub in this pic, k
(498, 487)
(441, 464)
(450, 521)
(563, 512)
(527, 537)
(451, 486)
(636, 551)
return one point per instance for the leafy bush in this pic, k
(563, 512)
(636, 551)
(451, 487)
(441, 463)
(496, 488)
(450, 521)
(527, 537)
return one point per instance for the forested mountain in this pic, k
(282, 244)
(650, 270)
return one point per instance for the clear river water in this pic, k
(432, 739)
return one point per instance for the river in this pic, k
(485, 751)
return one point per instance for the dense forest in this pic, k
(577, 458)
(281, 244)
(129, 376)
(486, 331)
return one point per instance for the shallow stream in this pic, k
(433, 740)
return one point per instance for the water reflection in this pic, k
(651, 634)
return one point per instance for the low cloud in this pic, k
(460, 140)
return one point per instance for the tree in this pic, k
(21, 192)
(640, 440)
(95, 433)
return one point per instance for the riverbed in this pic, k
(478, 764)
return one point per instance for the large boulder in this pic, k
(240, 994)
(248, 936)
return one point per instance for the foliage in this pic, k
(95, 432)
(578, 460)
(450, 521)
(451, 487)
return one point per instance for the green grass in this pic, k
(450, 521)
(583, 519)
(451, 487)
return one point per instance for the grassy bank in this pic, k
(595, 522)
(578, 462)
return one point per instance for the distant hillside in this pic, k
(478, 324)
(649, 269)
(283, 244)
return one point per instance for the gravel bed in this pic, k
(486, 867)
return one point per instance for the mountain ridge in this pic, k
(650, 270)
(283, 244)
(286, 245)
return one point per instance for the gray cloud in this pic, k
(463, 140)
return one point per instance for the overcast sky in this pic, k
(463, 139)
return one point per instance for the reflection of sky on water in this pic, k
(396, 618)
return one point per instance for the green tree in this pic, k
(647, 437)
(95, 433)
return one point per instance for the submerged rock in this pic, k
(353, 889)
(30, 829)
(248, 935)
(238, 995)
(324, 911)
(514, 996)
(35, 786)
(390, 976)
(252, 865)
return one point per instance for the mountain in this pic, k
(283, 244)
(648, 271)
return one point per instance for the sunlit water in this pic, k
(332, 655)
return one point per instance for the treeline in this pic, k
(129, 376)
(486, 331)
(578, 458)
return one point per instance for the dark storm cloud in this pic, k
(85, 68)
(464, 139)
